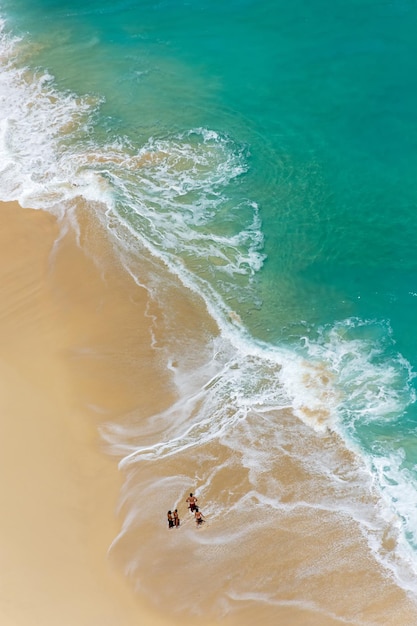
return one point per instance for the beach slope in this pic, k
(59, 491)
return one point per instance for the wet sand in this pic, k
(75, 352)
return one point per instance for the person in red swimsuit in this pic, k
(192, 502)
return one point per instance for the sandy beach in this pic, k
(59, 491)
(75, 352)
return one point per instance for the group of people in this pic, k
(192, 505)
(173, 517)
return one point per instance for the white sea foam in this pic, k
(306, 606)
(37, 125)
(374, 380)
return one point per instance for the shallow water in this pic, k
(262, 159)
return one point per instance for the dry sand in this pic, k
(59, 490)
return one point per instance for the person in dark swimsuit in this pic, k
(199, 517)
(170, 520)
(176, 519)
(192, 502)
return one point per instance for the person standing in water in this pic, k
(176, 519)
(192, 502)
(199, 517)
(170, 520)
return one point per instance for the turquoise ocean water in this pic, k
(266, 152)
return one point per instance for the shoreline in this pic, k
(76, 351)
